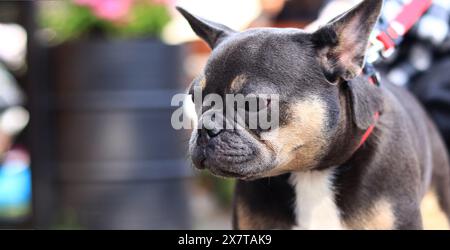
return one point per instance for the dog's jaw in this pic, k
(315, 206)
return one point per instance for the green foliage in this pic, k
(223, 189)
(65, 21)
(14, 212)
(147, 21)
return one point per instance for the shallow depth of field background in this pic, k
(96, 78)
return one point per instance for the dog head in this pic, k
(323, 104)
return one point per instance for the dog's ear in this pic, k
(211, 32)
(342, 43)
(365, 101)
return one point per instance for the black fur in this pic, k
(274, 207)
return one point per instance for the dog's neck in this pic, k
(346, 139)
(315, 194)
(315, 206)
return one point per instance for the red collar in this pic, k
(373, 79)
(369, 130)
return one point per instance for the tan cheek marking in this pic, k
(238, 82)
(298, 144)
(379, 217)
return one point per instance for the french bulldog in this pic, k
(314, 170)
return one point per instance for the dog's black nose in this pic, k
(206, 134)
(213, 132)
(211, 124)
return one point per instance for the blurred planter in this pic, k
(120, 164)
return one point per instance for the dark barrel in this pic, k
(119, 162)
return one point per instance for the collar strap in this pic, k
(373, 78)
(369, 131)
(390, 35)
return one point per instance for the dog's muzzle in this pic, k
(228, 151)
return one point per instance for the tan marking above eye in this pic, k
(238, 82)
(202, 82)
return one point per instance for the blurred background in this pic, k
(85, 90)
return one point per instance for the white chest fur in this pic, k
(315, 206)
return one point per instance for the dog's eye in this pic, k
(253, 108)
(256, 104)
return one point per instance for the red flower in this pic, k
(164, 2)
(111, 10)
